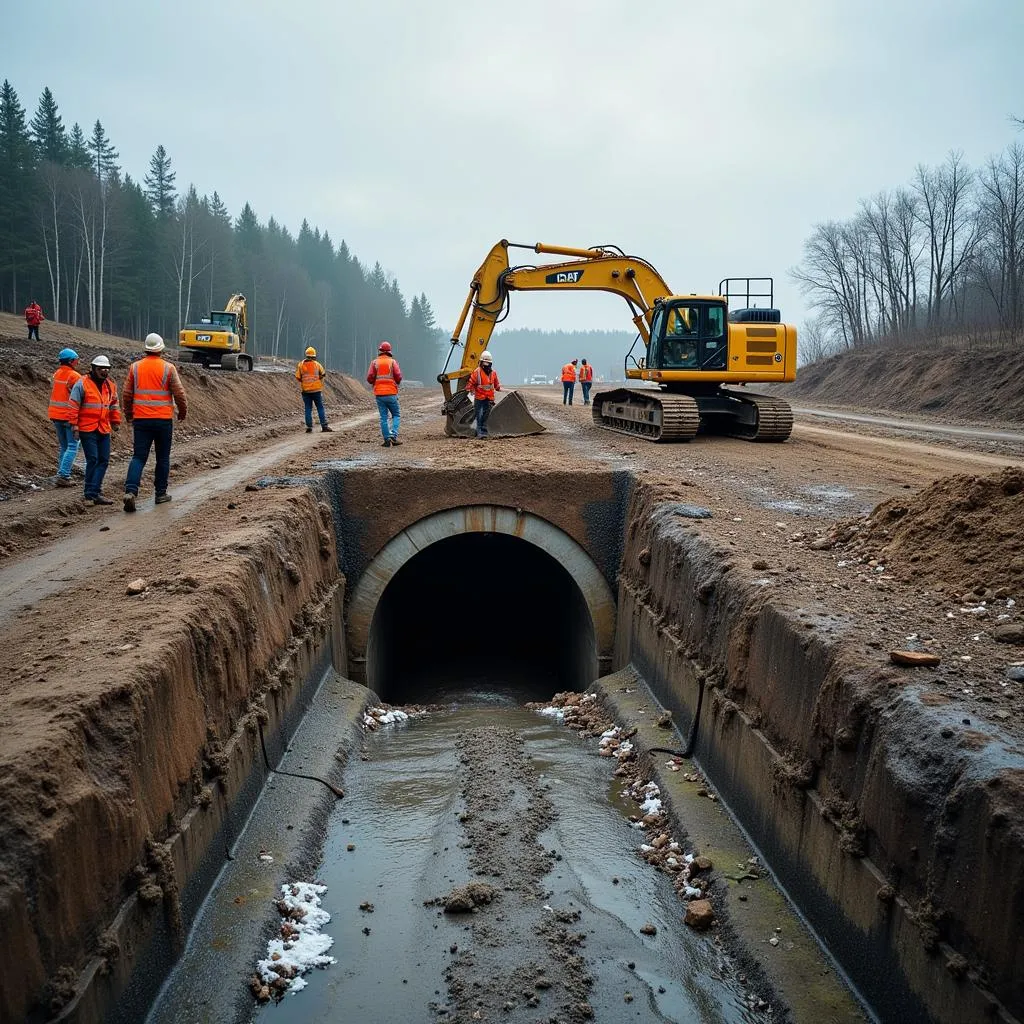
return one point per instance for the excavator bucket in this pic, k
(509, 418)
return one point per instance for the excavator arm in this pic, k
(598, 269)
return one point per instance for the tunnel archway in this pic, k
(480, 595)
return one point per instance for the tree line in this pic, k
(100, 249)
(940, 258)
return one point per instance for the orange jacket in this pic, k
(568, 372)
(586, 373)
(94, 406)
(152, 390)
(385, 375)
(64, 380)
(483, 385)
(34, 315)
(310, 375)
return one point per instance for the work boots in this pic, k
(325, 429)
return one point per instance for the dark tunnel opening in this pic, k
(480, 611)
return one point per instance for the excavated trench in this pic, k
(424, 593)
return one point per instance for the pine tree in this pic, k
(48, 132)
(17, 195)
(78, 149)
(160, 184)
(104, 156)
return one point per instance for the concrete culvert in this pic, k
(480, 609)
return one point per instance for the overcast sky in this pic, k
(707, 136)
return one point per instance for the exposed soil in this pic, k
(82, 664)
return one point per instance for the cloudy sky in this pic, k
(707, 136)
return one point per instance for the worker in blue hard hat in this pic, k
(64, 379)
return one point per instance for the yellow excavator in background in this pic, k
(694, 349)
(218, 339)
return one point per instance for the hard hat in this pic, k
(575, 361)
(485, 357)
(154, 343)
(67, 353)
(311, 352)
(101, 361)
(384, 346)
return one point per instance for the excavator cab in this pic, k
(688, 334)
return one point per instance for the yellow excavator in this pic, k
(697, 354)
(218, 339)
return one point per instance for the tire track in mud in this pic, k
(525, 962)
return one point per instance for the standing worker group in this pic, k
(482, 384)
(33, 317)
(586, 380)
(568, 382)
(310, 374)
(151, 392)
(385, 375)
(64, 379)
(94, 413)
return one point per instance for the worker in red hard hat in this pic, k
(385, 376)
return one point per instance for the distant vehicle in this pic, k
(539, 378)
(406, 383)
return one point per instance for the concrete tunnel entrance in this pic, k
(480, 596)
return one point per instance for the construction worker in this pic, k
(33, 317)
(94, 413)
(310, 375)
(586, 380)
(151, 392)
(483, 383)
(385, 375)
(64, 379)
(568, 382)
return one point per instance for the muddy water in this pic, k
(560, 936)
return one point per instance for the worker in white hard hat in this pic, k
(94, 414)
(151, 392)
(482, 384)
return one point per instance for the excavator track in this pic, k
(653, 415)
(772, 418)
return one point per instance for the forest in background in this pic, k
(939, 260)
(98, 248)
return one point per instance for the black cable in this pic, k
(691, 743)
(339, 793)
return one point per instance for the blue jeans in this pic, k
(147, 434)
(309, 399)
(586, 391)
(389, 404)
(483, 410)
(97, 457)
(68, 448)
(568, 387)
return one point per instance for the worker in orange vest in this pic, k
(59, 411)
(33, 318)
(385, 375)
(568, 382)
(586, 380)
(482, 384)
(94, 413)
(151, 392)
(310, 374)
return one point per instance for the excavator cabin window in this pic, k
(688, 336)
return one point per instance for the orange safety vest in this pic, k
(310, 375)
(152, 400)
(569, 372)
(384, 383)
(64, 379)
(94, 407)
(483, 385)
(586, 373)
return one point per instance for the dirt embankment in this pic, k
(982, 386)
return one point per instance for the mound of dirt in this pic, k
(962, 533)
(984, 385)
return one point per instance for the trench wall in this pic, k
(905, 852)
(161, 771)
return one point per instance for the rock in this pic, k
(913, 658)
(701, 864)
(136, 586)
(1015, 672)
(820, 544)
(648, 929)
(1009, 633)
(644, 558)
(759, 565)
(665, 720)
(700, 915)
